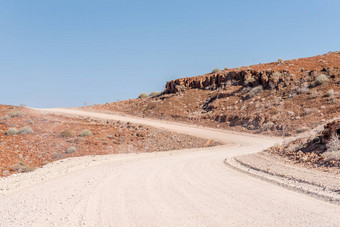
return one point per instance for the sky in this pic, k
(69, 52)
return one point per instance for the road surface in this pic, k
(176, 188)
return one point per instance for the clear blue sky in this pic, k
(67, 52)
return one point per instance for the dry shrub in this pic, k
(255, 91)
(25, 130)
(16, 114)
(66, 133)
(71, 150)
(85, 133)
(6, 117)
(322, 79)
(154, 93)
(57, 155)
(21, 168)
(143, 95)
(333, 148)
(215, 70)
(12, 131)
(330, 93)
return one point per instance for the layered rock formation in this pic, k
(269, 79)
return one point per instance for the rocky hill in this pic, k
(278, 98)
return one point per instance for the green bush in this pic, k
(85, 133)
(143, 95)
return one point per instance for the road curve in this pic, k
(176, 188)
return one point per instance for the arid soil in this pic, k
(59, 137)
(279, 98)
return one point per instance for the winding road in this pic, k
(176, 188)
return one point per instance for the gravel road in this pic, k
(177, 188)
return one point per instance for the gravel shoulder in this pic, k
(324, 185)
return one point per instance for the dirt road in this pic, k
(177, 188)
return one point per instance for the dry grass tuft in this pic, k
(85, 133)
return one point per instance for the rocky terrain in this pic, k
(29, 139)
(278, 98)
(321, 149)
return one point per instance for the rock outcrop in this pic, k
(331, 129)
(268, 79)
(213, 81)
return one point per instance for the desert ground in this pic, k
(183, 188)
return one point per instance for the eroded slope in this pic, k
(279, 98)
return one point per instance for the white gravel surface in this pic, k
(176, 188)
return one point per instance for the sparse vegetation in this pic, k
(25, 130)
(85, 133)
(333, 148)
(330, 93)
(66, 133)
(321, 79)
(16, 114)
(303, 89)
(6, 117)
(71, 150)
(143, 95)
(154, 93)
(30, 122)
(21, 168)
(57, 155)
(254, 91)
(12, 131)
(27, 168)
(226, 68)
(333, 144)
(215, 70)
(280, 60)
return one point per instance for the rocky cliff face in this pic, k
(213, 81)
(268, 79)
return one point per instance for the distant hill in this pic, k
(283, 97)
